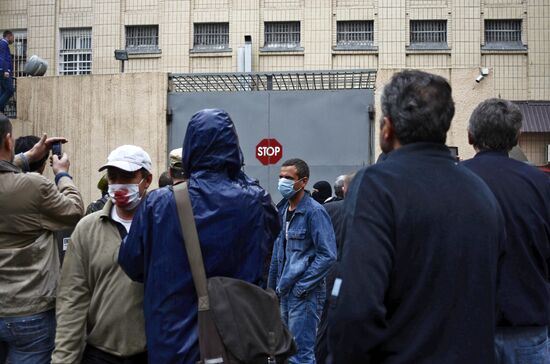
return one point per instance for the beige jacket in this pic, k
(97, 302)
(31, 208)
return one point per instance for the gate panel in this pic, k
(330, 130)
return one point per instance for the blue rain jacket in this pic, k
(236, 223)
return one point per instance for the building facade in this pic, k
(509, 37)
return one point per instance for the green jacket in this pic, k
(31, 209)
(97, 302)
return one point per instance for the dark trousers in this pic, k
(93, 355)
(6, 90)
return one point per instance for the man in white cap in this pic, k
(177, 172)
(97, 303)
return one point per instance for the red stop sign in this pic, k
(269, 151)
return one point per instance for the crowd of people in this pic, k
(419, 258)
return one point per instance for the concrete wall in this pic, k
(96, 114)
(519, 74)
(534, 146)
(467, 94)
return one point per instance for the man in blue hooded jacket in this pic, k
(236, 223)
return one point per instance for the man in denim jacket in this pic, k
(302, 256)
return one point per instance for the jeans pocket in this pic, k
(537, 354)
(34, 333)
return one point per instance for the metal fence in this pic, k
(277, 81)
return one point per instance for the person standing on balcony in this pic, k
(6, 69)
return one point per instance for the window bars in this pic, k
(428, 32)
(285, 35)
(19, 52)
(211, 36)
(503, 32)
(142, 39)
(355, 34)
(75, 54)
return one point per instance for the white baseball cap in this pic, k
(129, 158)
(175, 158)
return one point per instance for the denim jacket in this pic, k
(310, 249)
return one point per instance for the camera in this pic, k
(56, 149)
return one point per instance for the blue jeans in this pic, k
(6, 90)
(302, 315)
(522, 345)
(29, 339)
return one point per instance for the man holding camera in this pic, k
(32, 208)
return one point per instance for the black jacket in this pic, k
(523, 193)
(419, 263)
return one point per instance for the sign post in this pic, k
(269, 151)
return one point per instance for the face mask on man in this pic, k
(286, 187)
(125, 196)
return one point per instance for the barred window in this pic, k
(142, 39)
(211, 36)
(75, 54)
(282, 34)
(503, 32)
(428, 33)
(355, 34)
(19, 52)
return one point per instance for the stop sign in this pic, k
(269, 151)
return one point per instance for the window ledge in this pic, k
(503, 49)
(354, 50)
(427, 50)
(212, 51)
(282, 50)
(133, 54)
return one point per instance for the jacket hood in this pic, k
(211, 143)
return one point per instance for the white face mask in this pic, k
(125, 196)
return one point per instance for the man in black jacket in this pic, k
(523, 193)
(416, 282)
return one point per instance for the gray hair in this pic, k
(339, 186)
(495, 125)
(420, 106)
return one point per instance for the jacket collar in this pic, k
(493, 153)
(6, 166)
(106, 210)
(426, 149)
(301, 208)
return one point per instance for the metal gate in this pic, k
(324, 118)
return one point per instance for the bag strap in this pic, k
(192, 245)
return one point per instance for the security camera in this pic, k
(482, 73)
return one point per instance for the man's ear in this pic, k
(387, 129)
(470, 138)
(148, 180)
(6, 143)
